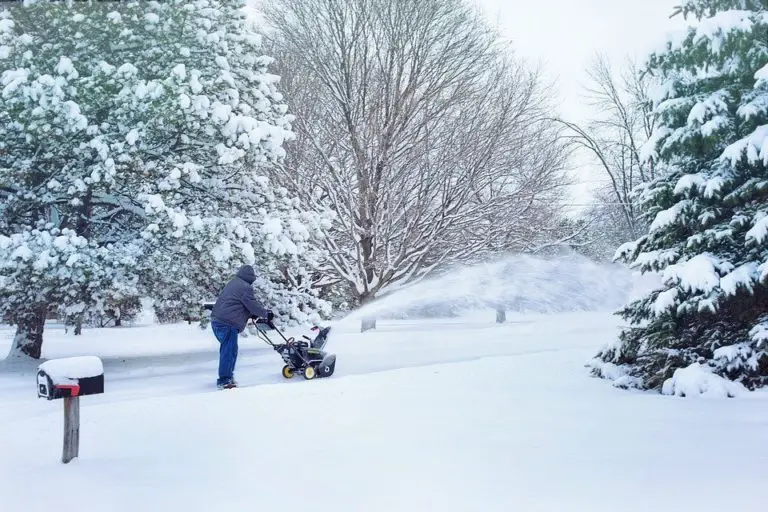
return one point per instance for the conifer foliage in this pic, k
(136, 140)
(708, 213)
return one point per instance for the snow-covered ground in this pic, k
(459, 415)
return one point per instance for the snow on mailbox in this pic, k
(70, 378)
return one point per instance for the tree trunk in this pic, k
(368, 323)
(365, 298)
(78, 327)
(501, 315)
(29, 334)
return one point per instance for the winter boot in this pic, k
(227, 385)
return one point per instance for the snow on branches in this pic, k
(148, 129)
(428, 143)
(708, 235)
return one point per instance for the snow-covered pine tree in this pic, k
(225, 128)
(708, 236)
(135, 139)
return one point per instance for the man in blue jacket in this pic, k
(235, 305)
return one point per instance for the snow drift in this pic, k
(511, 423)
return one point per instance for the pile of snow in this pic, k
(698, 380)
(69, 369)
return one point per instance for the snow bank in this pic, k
(698, 380)
(526, 432)
(62, 371)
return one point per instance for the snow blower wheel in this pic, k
(309, 372)
(287, 372)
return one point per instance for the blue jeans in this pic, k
(227, 337)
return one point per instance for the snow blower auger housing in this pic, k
(306, 357)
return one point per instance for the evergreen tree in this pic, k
(135, 143)
(708, 214)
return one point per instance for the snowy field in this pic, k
(460, 415)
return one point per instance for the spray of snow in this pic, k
(519, 283)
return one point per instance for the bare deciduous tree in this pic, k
(417, 129)
(622, 124)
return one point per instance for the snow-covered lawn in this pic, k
(421, 415)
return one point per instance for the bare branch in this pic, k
(418, 128)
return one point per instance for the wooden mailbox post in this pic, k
(70, 378)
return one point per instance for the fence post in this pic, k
(367, 324)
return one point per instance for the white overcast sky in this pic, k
(564, 35)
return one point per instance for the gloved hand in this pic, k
(270, 316)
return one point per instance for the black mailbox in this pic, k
(70, 377)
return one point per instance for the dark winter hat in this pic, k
(247, 274)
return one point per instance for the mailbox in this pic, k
(70, 377)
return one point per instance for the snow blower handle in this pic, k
(263, 321)
(269, 323)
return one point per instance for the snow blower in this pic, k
(305, 357)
